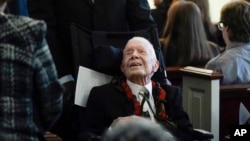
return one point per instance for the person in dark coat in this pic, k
(112, 102)
(94, 15)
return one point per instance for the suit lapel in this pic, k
(154, 93)
(128, 106)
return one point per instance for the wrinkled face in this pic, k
(138, 59)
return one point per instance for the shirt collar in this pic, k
(235, 44)
(135, 88)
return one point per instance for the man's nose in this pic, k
(135, 54)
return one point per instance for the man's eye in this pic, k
(129, 53)
(142, 51)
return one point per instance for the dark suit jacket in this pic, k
(109, 102)
(104, 15)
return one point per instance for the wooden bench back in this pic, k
(230, 98)
(174, 75)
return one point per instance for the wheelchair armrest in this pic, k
(200, 134)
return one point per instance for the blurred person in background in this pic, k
(184, 39)
(234, 62)
(30, 94)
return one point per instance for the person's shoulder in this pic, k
(214, 47)
(34, 23)
(107, 90)
(108, 86)
(21, 20)
(26, 24)
(170, 88)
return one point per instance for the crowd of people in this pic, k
(38, 75)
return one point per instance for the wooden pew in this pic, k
(203, 96)
(174, 75)
(230, 98)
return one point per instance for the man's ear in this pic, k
(226, 34)
(156, 66)
(122, 67)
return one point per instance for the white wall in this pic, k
(215, 7)
(151, 4)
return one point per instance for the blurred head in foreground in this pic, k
(137, 129)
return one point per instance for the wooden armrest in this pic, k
(201, 73)
(174, 75)
(173, 68)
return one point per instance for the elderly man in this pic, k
(137, 94)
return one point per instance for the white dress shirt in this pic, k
(135, 88)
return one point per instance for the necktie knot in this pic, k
(144, 92)
(146, 109)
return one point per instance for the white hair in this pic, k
(147, 42)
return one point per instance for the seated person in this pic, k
(184, 38)
(234, 62)
(210, 28)
(117, 100)
(135, 128)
